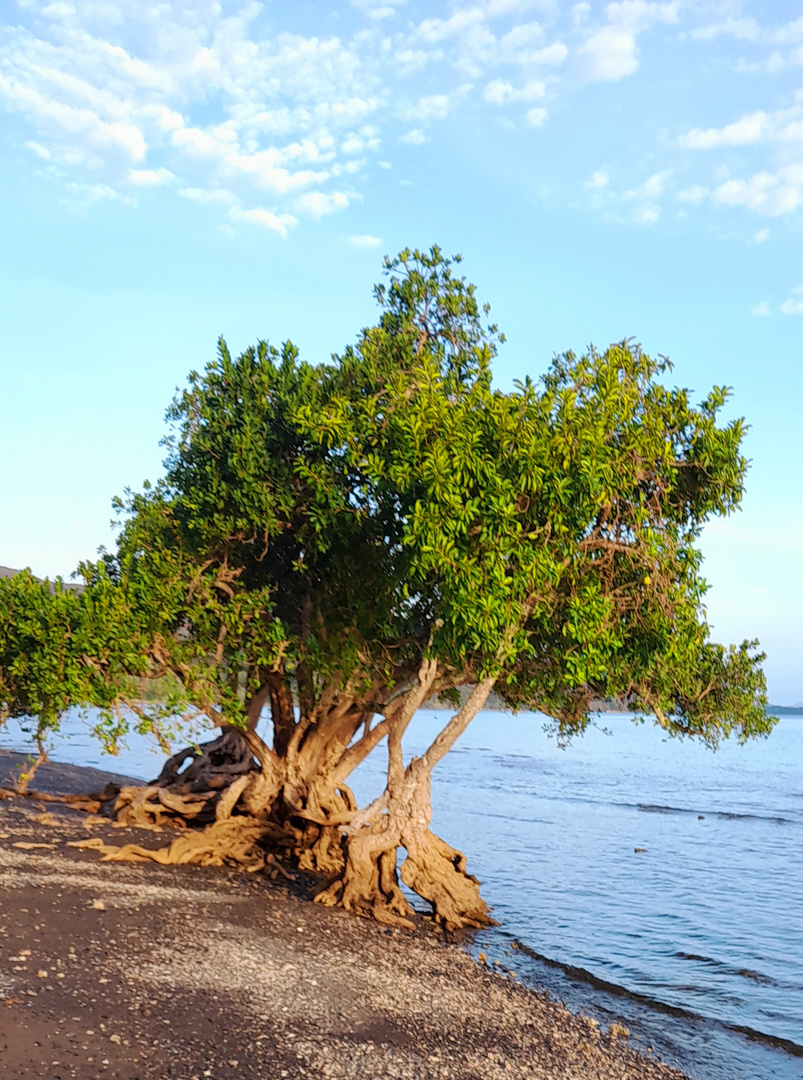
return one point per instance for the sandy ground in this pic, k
(133, 972)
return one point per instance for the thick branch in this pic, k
(413, 700)
(366, 743)
(443, 743)
(281, 711)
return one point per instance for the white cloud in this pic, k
(550, 56)
(320, 203)
(791, 307)
(742, 29)
(278, 223)
(761, 236)
(497, 8)
(437, 30)
(501, 92)
(536, 117)
(364, 242)
(522, 35)
(652, 188)
(414, 137)
(216, 195)
(365, 140)
(694, 194)
(765, 193)
(785, 40)
(610, 52)
(74, 123)
(378, 9)
(409, 61)
(245, 113)
(761, 310)
(641, 14)
(742, 132)
(84, 195)
(39, 150)
(150, 177)
(429, 108)
(598, 179)
(647, 214)
(790, 32)
(203, 94)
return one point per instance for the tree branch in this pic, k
(443, 743)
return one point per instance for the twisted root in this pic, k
(235, 841)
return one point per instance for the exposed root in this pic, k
(220, 774)
(212, 766)
(90, 803)
(235, 841)
(369, 885)
(321, 855)
(437, 872)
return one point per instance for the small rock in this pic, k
(115, 1039)
(98, 905)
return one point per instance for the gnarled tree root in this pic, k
(221, 774)
(235, 841)
(369, 884)
(434, 870)
(212, 765)
(437, 872)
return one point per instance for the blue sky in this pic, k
(176, 171)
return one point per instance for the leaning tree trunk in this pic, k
(434, 870)
(369, 883)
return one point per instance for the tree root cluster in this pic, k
(232, 811)
(237, 841)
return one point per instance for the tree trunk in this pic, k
(433, 869)
(237, 776)
(293, 799)
(437, 872)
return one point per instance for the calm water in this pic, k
(696, 936)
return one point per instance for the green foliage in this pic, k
(333, 524)
(61, 647)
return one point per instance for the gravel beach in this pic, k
(138, 972)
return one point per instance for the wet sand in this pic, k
(139, 972)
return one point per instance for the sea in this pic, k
(639, 878)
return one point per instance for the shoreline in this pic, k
(141, 971)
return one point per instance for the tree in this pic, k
(340, 542)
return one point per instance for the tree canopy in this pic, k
(340, 541)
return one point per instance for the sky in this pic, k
(174, 171)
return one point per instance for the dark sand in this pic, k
(138, 972)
